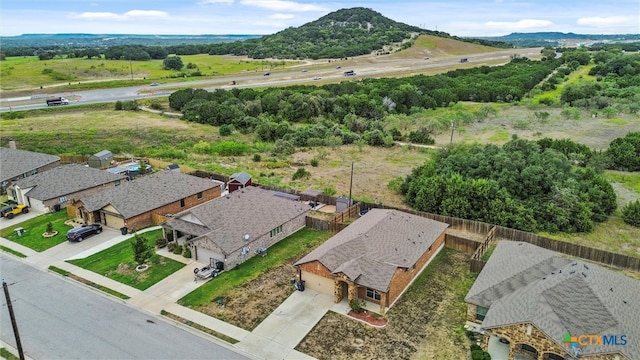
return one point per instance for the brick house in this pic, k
(145, 201)
(56, 188)
(232, 228)
(19, 164)
(375, 258)
(535, 300)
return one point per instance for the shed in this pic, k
(100, 160)
(238, 181)
(342, 204)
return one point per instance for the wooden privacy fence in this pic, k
(324, 199)
(459, 243)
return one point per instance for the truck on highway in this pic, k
(57, 101)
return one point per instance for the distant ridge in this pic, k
(555, 38)
(81, 40)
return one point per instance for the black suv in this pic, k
(82, 232)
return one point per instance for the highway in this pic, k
(364, 67)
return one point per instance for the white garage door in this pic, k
(318, 283)
(205, 256)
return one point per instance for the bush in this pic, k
(178, 250)
(300, 173)
(187, 252)
(257, 157)
(631, 213)
(357, 305)
(226, 130)
(314, 162)
(156, 106)
(480, 355)
(161, 242)
(171, 246)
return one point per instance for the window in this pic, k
(272, 233)
(117, 182)
(181, 202)
(373, 294)
(200, 195)
(280, 229)
(481, 312)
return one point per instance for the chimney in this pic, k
(12, 144)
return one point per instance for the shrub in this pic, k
(480, 355)
(314, 162)
(357, 305)
(171, 246)
(187, 252)
(156, 106)
(161, 242)
(226, 130)
(178, 250)
(631, 213)
(257, 157)
(300, 173)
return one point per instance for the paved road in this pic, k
(58, 319)
(364, 67)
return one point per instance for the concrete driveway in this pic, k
(5, 223)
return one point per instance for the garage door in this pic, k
(204, 256)
(318, 283)
(114, 222)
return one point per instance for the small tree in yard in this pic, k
(141, 250)
(173, 63)
(50, 228)
(631, 213)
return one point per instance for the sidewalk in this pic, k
(274, 338)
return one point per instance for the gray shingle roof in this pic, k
(15, 162)
(103, 155)
(224, 221)
(241, 177)
(65, 180)
(372, 248)
(558, 296)
(149, 192)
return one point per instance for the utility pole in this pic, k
(351, 186)
(452, 127)
(13, 319)
(131, 67)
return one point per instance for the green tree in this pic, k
(173, 63)
(141, 249)
(631, 213)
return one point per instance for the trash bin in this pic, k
(123, 230)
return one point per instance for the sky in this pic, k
(262, 17)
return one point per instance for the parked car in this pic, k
(82, 232)
(10, 211)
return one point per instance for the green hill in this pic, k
(343, 33)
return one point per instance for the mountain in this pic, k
(342, 33)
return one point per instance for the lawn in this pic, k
(34, 228)
(287, 250)
(117, 263)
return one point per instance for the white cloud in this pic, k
(610, 21)
(281, 16)
(524, 24)
(280, 5)
(145, 13)
(274, 24)
(113, 16)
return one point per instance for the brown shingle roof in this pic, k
(15, 162)
(370, 250)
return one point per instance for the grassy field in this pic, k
(117, 263)
(34, 228)
(20, 73)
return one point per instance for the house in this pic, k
(18, 164)
(238, 181)
(545, 306)
(145, 201)
(375, 258)
(56, 188)
(234, 227)
(101, 160)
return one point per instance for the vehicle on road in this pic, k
(464, 60)
(317, 78)
(10, 211)
(82, 232)
(232, 82)
(349, 73)
(267, 74)
(153, 84)
(57, 101)
(304, 70)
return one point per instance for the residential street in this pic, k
(57, 319)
